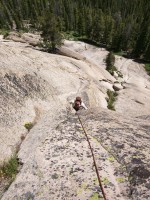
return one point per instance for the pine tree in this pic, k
(143, 37)
(110, 61)
(51, 32)
(108, 31)
(98, 27)
(120, 24)
(81, 24)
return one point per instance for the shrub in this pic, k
(9, 169)
(110, 61)
(111, 99)
(5, 35)
(28, 125)
(71, 35)
(111, 70)
(147, 68)
(4, 32)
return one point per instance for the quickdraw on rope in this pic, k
(94, 161)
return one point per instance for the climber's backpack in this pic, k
(77, 105)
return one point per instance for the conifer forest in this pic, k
(120, 25)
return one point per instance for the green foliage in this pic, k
(9, 169)
(120, 180)
(111, 159)
(147, 52)
(4, 32)
(118, 25)
(120, 53)
(111, 70)
(147, 67)
(95, 197)
(51, 32)
(71, 36)
(28, 125)
(110, 61)
(105, 180)
(82, 189)
(111, 99)
(143, 38)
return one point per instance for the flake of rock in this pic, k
(117, 87)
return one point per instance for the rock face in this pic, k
(33, 82)
(60, 165)
(56, 161)
(29, 38)
(135, 97)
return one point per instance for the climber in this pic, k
(78, 104)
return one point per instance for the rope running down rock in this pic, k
(94, 161)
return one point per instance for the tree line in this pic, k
(120, 25)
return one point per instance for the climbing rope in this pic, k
(94, 161)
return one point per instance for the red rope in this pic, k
(94, 161)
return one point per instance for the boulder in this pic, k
(117, 87)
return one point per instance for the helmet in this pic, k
(78, 99)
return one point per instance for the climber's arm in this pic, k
(84, 106)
